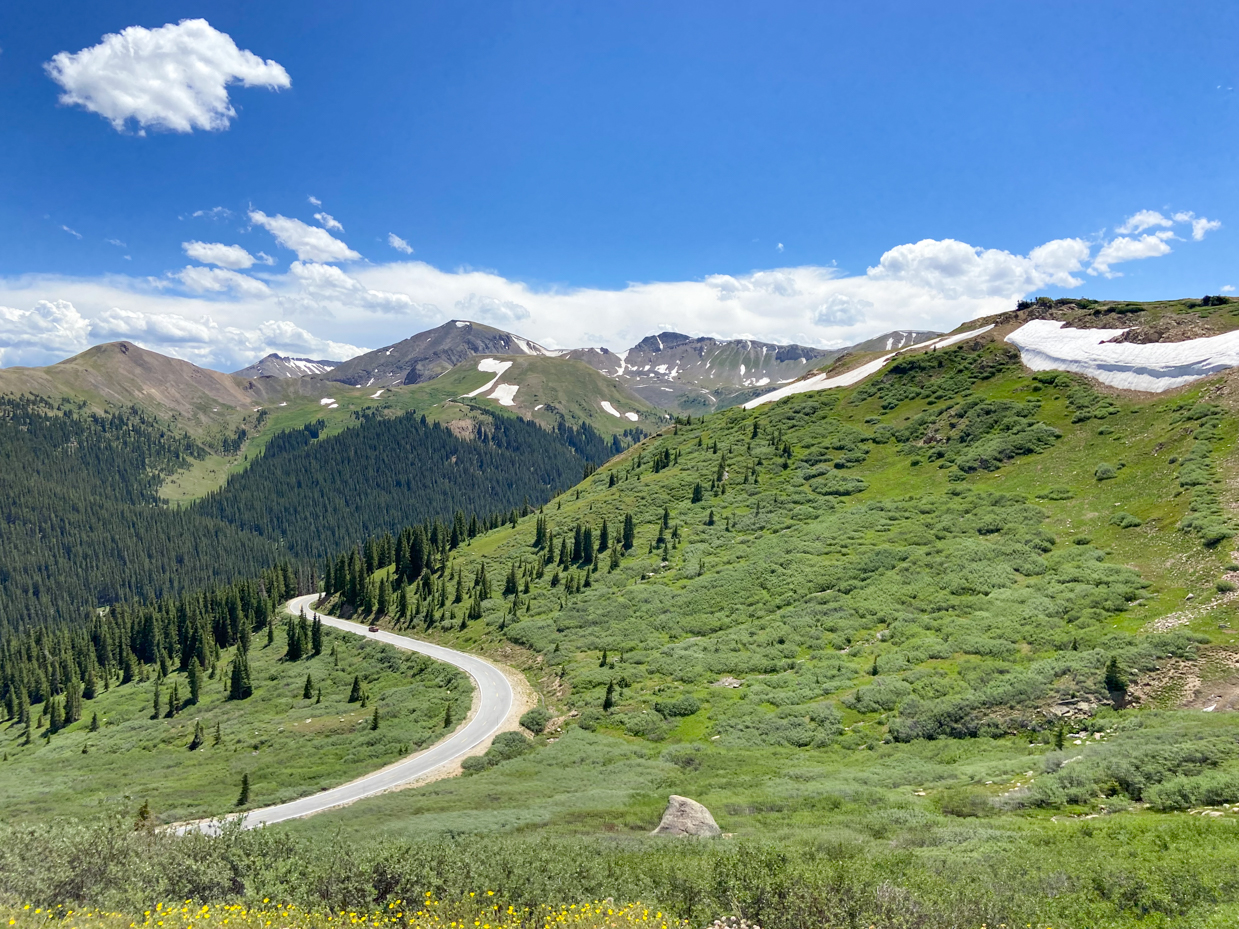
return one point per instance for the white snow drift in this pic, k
(1046, 345)
(631, 417)
(505, 394)
(490, 366)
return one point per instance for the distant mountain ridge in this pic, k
(426, 355)
(695, 375)
(277, 365)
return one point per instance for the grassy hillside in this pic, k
(288, 745)
(951, 551)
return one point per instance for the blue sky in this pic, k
(589, 173)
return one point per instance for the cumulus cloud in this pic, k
(327, 221)
(324, 289)
(841, 310)
(492, 310)
(48, 332)
(309, 242)
(399, 244)
(217, 253)
(1145, 219)
(1127, 249)
(220, 280)
(174, 77)
(956, 269)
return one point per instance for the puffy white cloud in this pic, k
(399, 244)
(1127, 249)
(1147, 219)
(841, 310)
(1200, 226)
(956, 269)
(309, 242)
(325, 290)
(174, 77)
(314, 200)
(327, 221)
(221, 280)
(48, 332)
(217, 253)
(491, 310)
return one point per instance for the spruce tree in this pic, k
(316, 636)
(447, 716)
(244, 798)
(608, 701)
(355, 694)
(157, 702)
(199, 737)
(94, 722)
(219, 737)
(195, 680)
(374, 720)
(630, 532)
(239, 686)
(308, 691)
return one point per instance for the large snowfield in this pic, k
(1046, 345)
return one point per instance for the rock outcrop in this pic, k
(686, 817)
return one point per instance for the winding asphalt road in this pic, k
(496, 702)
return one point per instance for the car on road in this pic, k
(374, 628)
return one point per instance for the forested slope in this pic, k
(318, 496)
(82, 526)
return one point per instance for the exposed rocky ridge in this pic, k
(426, 355)
(276, 365)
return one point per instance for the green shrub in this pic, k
(536, 719)
(1225, 587)
(686, 705)
(1125, 521)
(965, 802)
(1105, 472)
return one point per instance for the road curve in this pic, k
(496, 700)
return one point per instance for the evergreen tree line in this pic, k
(83, 527)
(318, 496)
(57, 668)
(425, 586)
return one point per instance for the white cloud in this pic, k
(1227, 288)
(327, 221)
(779, 247)
(215, 212)
(399, 244)
(958, 270)
(1147, 219)
(309, 242)
(49, 332)
(492, 310)
(325, 290)
(1127, 249)
(117, 242)
(1201, 225)
(841, 310)
(220, 280)
(217, 253)
(174, 77)
(315, 201)
(75, 234)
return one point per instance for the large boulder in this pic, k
(686, 817)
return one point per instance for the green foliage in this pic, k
(535, 720)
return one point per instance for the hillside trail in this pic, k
(501, 696)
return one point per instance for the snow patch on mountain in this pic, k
(505, 394)
(490, 366)
(1046, 345)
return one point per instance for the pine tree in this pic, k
(447, 716)
(308, 691)
(355, 694)
(699, 493)
(615, 558)
(157, 702)
(374, 720)
(219, 737)
(270, 632)
(199, 736)
(245, 790)
(316, 636)
(710, 519)
(1116, 680)
(608, 701)
(604, 537)
(94, 722)
(195, 680)
(239, 686)
(630, 532)
(603, 662)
